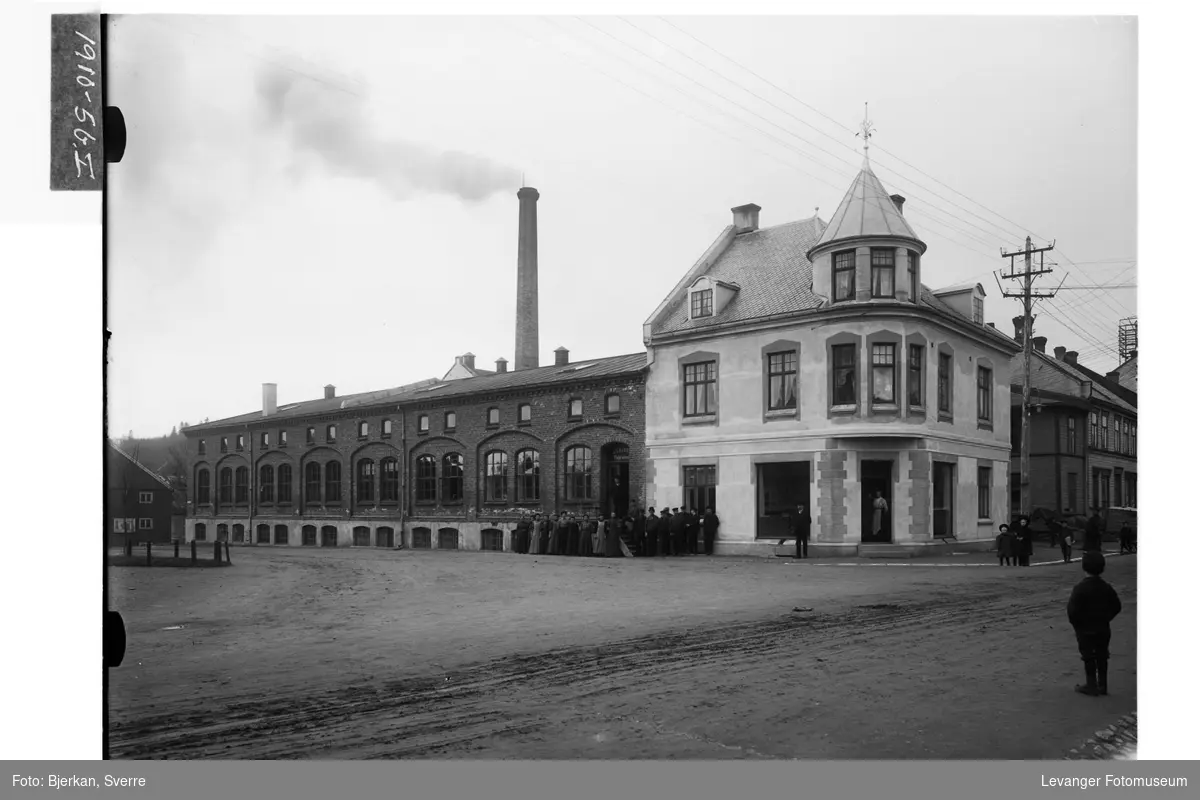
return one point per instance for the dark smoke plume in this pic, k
(328, 120)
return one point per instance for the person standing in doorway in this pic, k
(880, 508)
(1092, 607)
(709, 525)
(800, 525)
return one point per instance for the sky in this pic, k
(306, 201)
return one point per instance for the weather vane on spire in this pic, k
(866, 133)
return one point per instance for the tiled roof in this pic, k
(771, 269)
(1046, 374)
(142, 466)
(866, 210)
(434, 389)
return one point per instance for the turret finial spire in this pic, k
(866, 132)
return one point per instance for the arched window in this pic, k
(308, 536)
(385, 537)
(426, 485)
(362, 536)
(203, 490)
(284, 494)
(239, 532)
(312, 482)
(266, 484)
(222, 532)
(452, 478)
(389, 481)
(333, 482)
(225, 493)
(329, 536)
(579, 473)
(528, 476)
(241, 485)
(201, 532)
(364, 479)
(281, 534)
(496, 477)
(263, 534)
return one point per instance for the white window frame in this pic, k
(145, 498)
(145, 524)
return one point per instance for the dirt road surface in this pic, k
(354, 654)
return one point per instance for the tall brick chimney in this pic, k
(745, 218)
(526, 356)
(1039, 343)
(330, 392)
(1019, 328)
(468, 360)
(269, 404)
(899, 201)
(1060, 353)
(561, 356)
(1071, 357)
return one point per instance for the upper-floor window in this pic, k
(452, 478)
(883, 373)
(203, 489)
(284, 478)
(265, 439)
(916, 372)
(1104, 430)
(943, 383)
(333, 482)
(781, 380)
(914, 267)
(1133, 438)
(528, 475)
(426, 483)
(225, 486)
(1072, 436)
(977, 309)
(241, 442)
(1125, 436)
(845, 387)
(702, 303)
(224, 444)
(365, 480)
(1093, 430)
(843, 276)
(575, 407)
(493, 416)
(423, 423)
(700, 389)
(331, 433)
(883, 272)
(266, 484)
(451, 420)
(312, 482)
(364, 430)
(145, 497)
(985, 394)
(524, 412)
(282, 438)
(385, 428)
(389, 480)
(201, 447)
(496, 477)
(241, 485)
(310, 434)
(612, 404)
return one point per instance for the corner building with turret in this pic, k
(808, 363)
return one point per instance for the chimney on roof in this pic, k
(468, 360)
(1113, 376)
(991, 324)
(745, 218)
(526, 355)
(501, 364)
(1019, 329)
(269, 404)
(1039, 343)
(330, 392)
(1071, 357)
(899, 201)
(561, 356)
(1060, 353)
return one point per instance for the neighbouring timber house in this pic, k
(807, 363)
(138, 502)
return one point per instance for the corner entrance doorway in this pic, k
(781, 487)
(614, 496)
(876, 523)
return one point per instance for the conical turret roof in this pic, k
(866, 210)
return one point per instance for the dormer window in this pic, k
(977, 310)
(843, 276)
(702, 303)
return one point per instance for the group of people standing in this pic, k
(1015, 548)
(675, 532)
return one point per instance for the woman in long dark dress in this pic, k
(586, 537)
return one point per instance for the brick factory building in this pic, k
(806, 363)
(446, 463)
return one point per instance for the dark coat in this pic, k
(799, 525)
(1093, 605)
(1006, 545)
(709, 524)
(652, 524)
(676, 523)
(1093, 536)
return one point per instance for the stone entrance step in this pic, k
(885, 551)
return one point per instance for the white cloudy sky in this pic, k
(332, 200)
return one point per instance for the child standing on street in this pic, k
(1093, 605)
(1006, 547)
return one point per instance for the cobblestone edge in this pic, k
(1116, 742)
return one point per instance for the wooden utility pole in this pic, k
(1027, 296)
